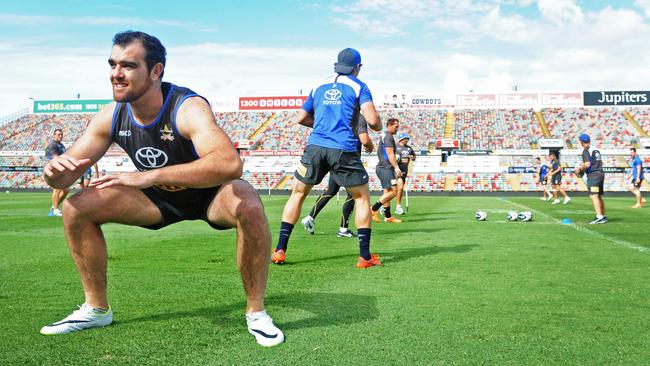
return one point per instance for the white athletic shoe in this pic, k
(399, 210)
(566, 200)
(308, 223)
(57, 212)
(83, 318)
(347, 233)
(556, 201)
(261, 326)
(542, 198)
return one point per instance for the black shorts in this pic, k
(175, 212)
(345, 167)
(403, 177)
(633, 181)
(386, 177)
(544, 180)
(556, 179)
(596, 185)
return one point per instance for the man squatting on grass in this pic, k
(187, 169)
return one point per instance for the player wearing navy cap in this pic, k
(405, 155)
(592, 164)
(637, 177)
(332, 110)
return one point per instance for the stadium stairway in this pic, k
(262, 127)
(542, 124)
(449, 182)
(283, 182)
(449, 125)
(514, 182)
(634, 123)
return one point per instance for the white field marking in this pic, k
(580, 228)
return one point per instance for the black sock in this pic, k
(285, 233)
(376, 206)
(387, 211)
(364, 243)
(348, 206)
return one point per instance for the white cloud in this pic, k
(560, 12)
(644, 5)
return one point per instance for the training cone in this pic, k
(566, 222)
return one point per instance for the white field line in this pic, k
(623, 243)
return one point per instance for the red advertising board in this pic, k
(266, 103)
(562, 99)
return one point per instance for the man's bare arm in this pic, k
(391, 159)
(63, 170)
(366, 141)
(371, 115)
(306, 119)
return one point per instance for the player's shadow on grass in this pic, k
(324, 309)
(400, 255)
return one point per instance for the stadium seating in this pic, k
(607, 127)
(642, 116)
(495, 129)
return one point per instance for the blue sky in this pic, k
(55, 49)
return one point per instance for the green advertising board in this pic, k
(70, 106)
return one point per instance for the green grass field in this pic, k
(452, 290)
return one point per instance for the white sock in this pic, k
(343, 229)
(599, 217)
(256, 315)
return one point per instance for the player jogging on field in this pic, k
(187, 169)
(54, 149)
(541, 174)
(333, 188)
(332, 109)
(592, 164)
(404, 154)
(556, 179)
(636, 176)
(387, 171)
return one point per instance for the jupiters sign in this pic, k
(595, 98)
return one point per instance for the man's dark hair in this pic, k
(57, 130)
(155, 51)
(391, 121)
(537, 158)
(633, 149)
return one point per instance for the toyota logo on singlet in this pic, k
(150, 157)
(333, 94)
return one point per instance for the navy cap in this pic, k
(348, 59)
(584, 138)
(403, 136)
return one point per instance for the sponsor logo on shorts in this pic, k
(170, 188)
(301, 170)
(594, 189)
(150, 157)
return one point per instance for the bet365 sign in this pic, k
(596, 98)
(70, 106)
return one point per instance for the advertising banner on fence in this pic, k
(267, 103)
(70, 106)
(529, 100)
(561, 99)
(597, 98)
(476, 100)
(546, 143)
